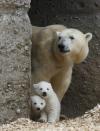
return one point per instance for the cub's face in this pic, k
(38, 103)
(44, 89)
(74, 43)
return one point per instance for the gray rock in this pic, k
(15, 32)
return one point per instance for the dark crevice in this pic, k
(82, 4)
(96, 5)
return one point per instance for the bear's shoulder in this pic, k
(56, 27)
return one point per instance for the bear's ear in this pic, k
(50, 85)
(58, 33)
(35, 86)
(88, 36)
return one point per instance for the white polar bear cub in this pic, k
(37, 105)
(52, 109)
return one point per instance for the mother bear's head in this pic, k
(73, 44)
(70, 44)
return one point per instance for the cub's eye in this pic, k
(41, 103)
(35, 103)
(40, 88)
(47, 88)
(59, 38)
(71, 37)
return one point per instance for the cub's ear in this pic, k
(88, 36)
(50, 85)
(35, 86)
(58, 33)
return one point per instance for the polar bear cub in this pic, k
(52, 109)
(37, 105)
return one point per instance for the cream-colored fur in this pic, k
(52, 65)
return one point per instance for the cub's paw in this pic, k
(42, 120)
(51, 121)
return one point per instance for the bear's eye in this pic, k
(41, 103)
(59, 38)
(47, 88)
(71, 37)
(40, 88)
(35, 103)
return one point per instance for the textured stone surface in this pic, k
(15, 32)
(84, 92)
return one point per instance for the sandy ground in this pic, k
(90, 121)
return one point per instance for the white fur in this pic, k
(52, 109)
(79, 39)
(37, 102)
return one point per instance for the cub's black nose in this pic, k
(44, 94)
(38, 108)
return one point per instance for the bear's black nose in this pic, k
(63, 48)
(44, 94)
(38, 108)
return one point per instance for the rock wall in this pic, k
(15, 59)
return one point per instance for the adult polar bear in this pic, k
(55, 49)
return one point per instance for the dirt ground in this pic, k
(90, 121)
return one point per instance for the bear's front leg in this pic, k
(43, 117)
(53, 117)
(61, 81)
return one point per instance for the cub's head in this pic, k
(43, 89)
(74, 44)
(38, 103)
